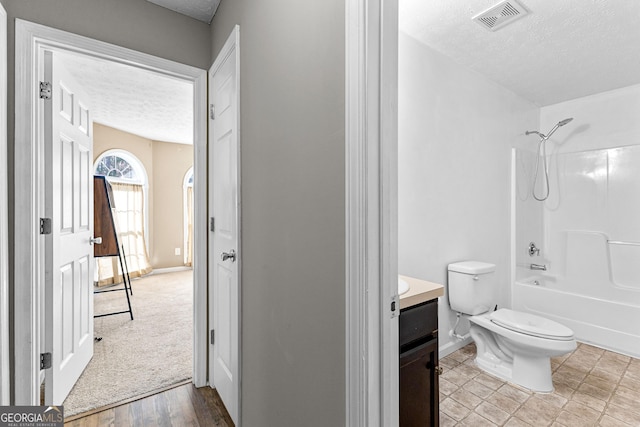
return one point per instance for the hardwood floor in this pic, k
(184, 405)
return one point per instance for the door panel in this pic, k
(86, 199)
(225, 283)
(68, 254)
(86, 298)
(66, 188)
(66, 311)
(224, 207)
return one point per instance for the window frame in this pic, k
(143, 180)
(185, 213)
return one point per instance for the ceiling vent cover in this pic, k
(500, 15)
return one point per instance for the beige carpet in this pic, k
(135, 357)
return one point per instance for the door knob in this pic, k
(229, 255)
(96, 240)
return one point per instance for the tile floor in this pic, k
(593, 387)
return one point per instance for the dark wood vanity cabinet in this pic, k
(419, 395)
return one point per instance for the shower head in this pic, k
(545, 137)
(542, 147)
(560, 123)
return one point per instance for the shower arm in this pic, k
(541, 135)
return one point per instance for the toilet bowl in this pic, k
(514, 346)
(517, 347)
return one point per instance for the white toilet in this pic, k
(512, 345)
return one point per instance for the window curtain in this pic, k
(189, 251)
(128, 200)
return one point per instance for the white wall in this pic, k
(456, 130)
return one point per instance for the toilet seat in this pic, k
(531, 324)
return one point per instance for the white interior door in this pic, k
(224, 233)
(69, 254)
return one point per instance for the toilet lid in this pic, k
(531, 324)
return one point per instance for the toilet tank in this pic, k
(472, 287)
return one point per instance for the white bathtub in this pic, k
(613, 325)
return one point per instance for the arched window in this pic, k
(129, 182)
(187, 186)
(116, 167)
(121, 166)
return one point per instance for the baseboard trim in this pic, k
(124, 402)
(450, 347)
(170, 269)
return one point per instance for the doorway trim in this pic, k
(4, 219)
(372, 348)
(29, 199)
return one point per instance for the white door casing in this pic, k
(4, 219)
(372, 350)
(68, 248)
(224, 208)
(30, 39)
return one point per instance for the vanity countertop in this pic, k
(419, 291)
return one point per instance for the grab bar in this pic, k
(620, 242)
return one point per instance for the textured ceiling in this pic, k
(202, 10)
(133, 100)
(562, 50)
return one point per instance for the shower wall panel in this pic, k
(589, 232)
(590, 224)
(593, 229)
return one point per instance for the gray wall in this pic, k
(293, 155)
(135, 24)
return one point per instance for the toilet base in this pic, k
(529, 372)
(522, 360)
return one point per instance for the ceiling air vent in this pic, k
(500, 15)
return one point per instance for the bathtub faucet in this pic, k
(538, 267)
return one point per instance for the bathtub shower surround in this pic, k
(589, 239)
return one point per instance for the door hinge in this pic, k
(45, 90)
(213, 336)
(212, 111)
(45, 225)
(213, 224)
(45, 360)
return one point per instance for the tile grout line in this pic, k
(606, 406)
(467, 360)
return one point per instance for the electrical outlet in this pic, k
(177, 251)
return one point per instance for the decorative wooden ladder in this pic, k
(104, 226)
